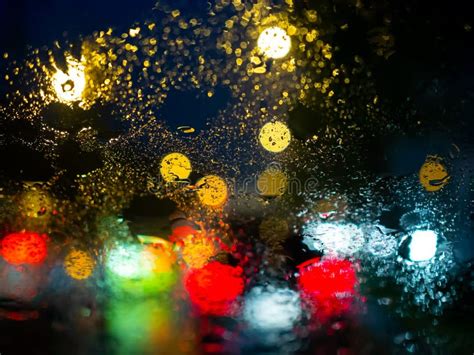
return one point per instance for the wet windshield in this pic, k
(227, 177)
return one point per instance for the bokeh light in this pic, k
(212, 191)
(378, 243)
(328, 285)
(274, 136)
(175, 166)
(423, 245)
(127, 260)
(162, 255)
(79, 264)
(181, 232)
(433, 174)
(69, 86)
(342, 239)
(105, 122)
(35, 203)
(24, 248)
(141, 270)
(197, 249)
(214, 288)
(271, 308)
(274, 42)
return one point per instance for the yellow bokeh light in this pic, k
(197, 250)
(274, 42)
(274, 137)
(272, 182)
(36, 203)
(79, 264)
(160, 256)
(175, 166)
(69, 87)
(212, 191)
(433, 174)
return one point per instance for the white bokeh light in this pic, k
(272, 309)
(423, 245)
(379, 242)
(70, 85)
(129, 261)
(341, 239)
(274, 42)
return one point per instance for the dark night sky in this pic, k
(38, 23)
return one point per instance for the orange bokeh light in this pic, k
(24, 248)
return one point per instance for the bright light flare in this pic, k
(274, 42)
(423, 245)
(69, 86)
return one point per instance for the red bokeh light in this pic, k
(181, 232)
(328, 285)
(214, 287)
(19, 315)
(24, 248)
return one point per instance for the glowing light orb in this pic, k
(35, 203)
(175, 166)
(212, 191)
(79, 264)
(328, 285)
(163, 255)
(24, 248)
(272, 182)
(433, 175)
(272, 309)
(69, 86)
(274, 42)
(423, 245)
(140, 270)
(160, 251)
(214, 288)
(128, 261)
(197, 250)
(341, 239)
(274, 136)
